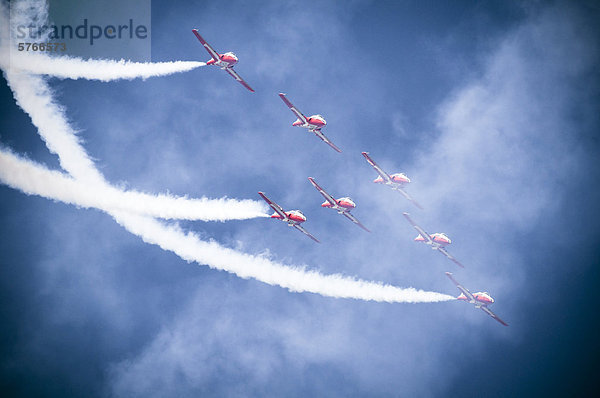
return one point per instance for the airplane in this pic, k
(293, 217)
(437, 241)
(396, 181)
(341, 205)
(479, 299)
(224, 61)
(313, 123)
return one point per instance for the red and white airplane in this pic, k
(437, 241)
(479, 299)
(293, 217)
(396, 181)
(224, 61)
(313, 123)
(341, 205)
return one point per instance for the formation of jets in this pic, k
(397, 181)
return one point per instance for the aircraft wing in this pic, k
(407, 196)
(274, 206)
(351, 217)
(305, 232)
(450, 256)
(420, 230)
(295, 110)
(319, 134)
(237, 77)
(460, 287)
(327, 197)
(207, 46)
(379, 170)
(490, 313)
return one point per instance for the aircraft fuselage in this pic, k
(293, 217)
(226, 60)
(314, 122)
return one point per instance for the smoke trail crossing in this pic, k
(35, 97)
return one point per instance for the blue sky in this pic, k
(490, 108)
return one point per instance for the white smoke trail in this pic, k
(68, 67)
(296, 279)
(93, 69)
(32, 178)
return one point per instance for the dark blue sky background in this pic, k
(490, 107)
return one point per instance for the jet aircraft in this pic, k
(479, 299)
(396, 181)
(313, 123)
(437, 241)
(293, 218)
(341, 205)
(224, 61)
